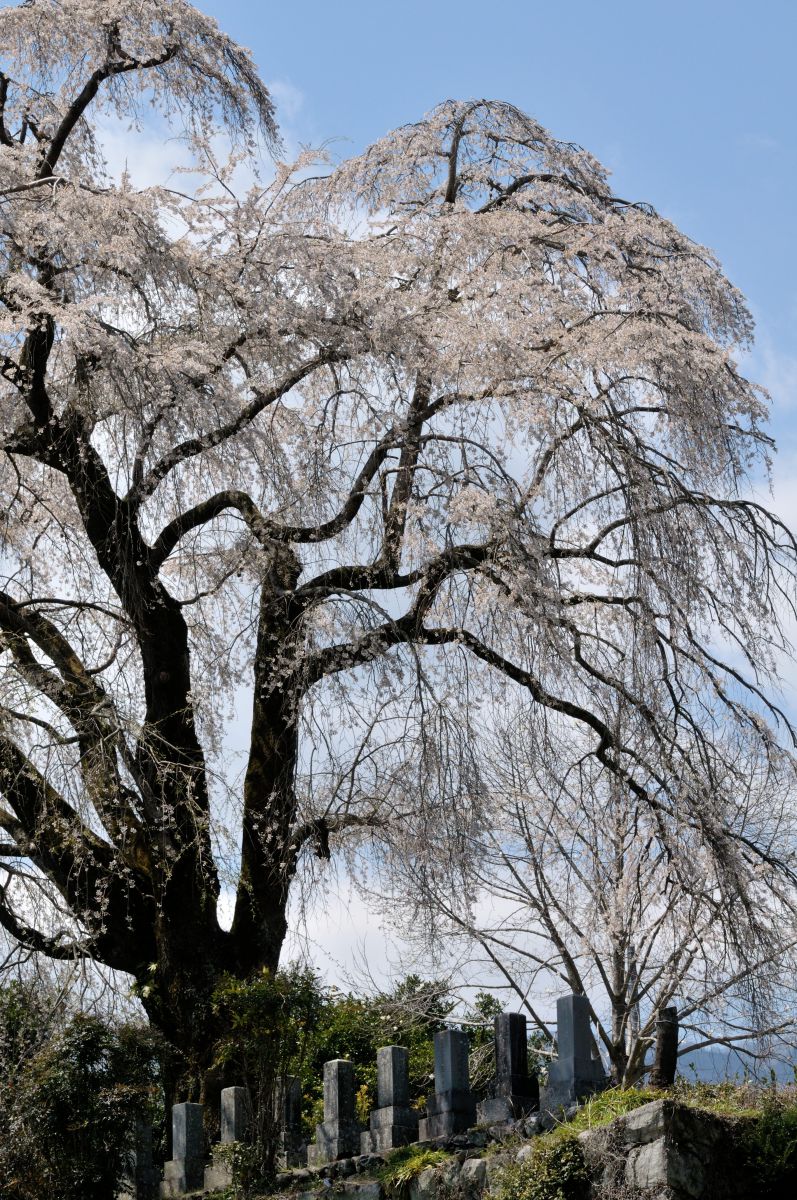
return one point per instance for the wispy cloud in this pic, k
(758, 141)
(777, 371)
(150, 155)
(287, 97)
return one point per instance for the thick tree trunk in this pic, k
(193, 951)
(178, 997)
(268, 852)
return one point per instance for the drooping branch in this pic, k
(191, 447)
(116, 907)
(84, 98)
(32, 939)
(48, 821)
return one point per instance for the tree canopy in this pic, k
(565, 885)
(389, 442)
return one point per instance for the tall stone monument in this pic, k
(452, 1108)
(185, 1171)
(393, 1121)
(234, 1116)
(339, 1134)
(292, 1147)
(516, 1092)
(574, 1073)
(141, 1179)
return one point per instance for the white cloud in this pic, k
(149, 155)
(776, 370)
(288, 99)
(342, 939)
(758, 141)
(339, 936)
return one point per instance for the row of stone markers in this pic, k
(451, 1110)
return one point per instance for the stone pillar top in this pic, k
(187, 1133)
(451, 1061)
(338, 1136)
(393, 1076)
(573, 1034)
(292, 1101)
(339, 1091)
(234, 1114)
(511, 1050)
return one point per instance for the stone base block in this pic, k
(218, 1177)
(423, 1130)
(394, 1125)
(571, 1080)
(450, 1112)
(509, 1107)
(387, 1137)
(494, 1111)
(292, 1154)
(333, 1141)
(181, 1175)
(383, 1118)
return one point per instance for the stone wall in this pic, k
(666, 1151)
(660, 1151)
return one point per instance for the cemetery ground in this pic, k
(571, 1139)
(455, 1114)
(712, 1141)
(69, 1094)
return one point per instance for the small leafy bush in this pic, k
(244, 1164)
(770, 1147)
(556, 1170)
(71, 1091)
(268, 1020)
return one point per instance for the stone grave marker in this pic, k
(574, 1073)
(338, 1136)
(452, 1108)
(393, 1122)
(293, 1150)
(185, 1171)
(516, 1093)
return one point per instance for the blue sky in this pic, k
(691, 105)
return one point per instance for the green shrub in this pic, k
(354, 1027)
(556, 1170)
(244, 1165)
(71, 1091)
(404, 1164)
(770, 1147)
(269, 1021)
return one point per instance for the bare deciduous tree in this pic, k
(448, 415)
(563, 882)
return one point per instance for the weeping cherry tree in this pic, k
(340, 451)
